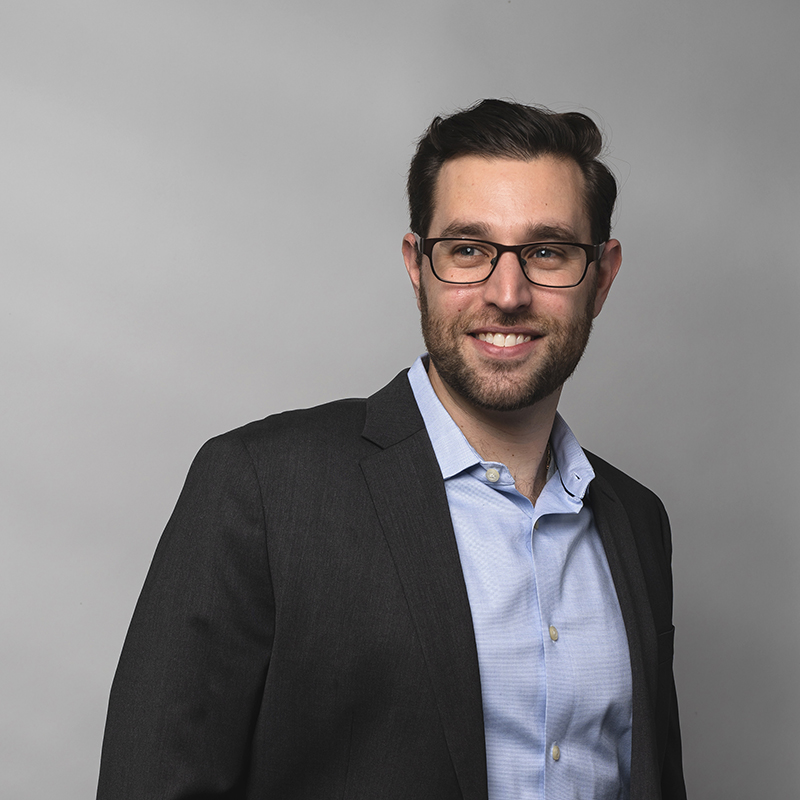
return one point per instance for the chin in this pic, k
(500, 391)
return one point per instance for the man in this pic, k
(433, 593)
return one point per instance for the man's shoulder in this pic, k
(348, 427)
(299, 447)
(330, 425)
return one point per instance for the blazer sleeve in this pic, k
(188, 687)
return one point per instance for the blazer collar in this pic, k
(407, 489)
(392, 413)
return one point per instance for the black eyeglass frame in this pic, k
(594, 252)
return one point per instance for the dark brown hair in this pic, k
(500, 129)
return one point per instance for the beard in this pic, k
(503, 385)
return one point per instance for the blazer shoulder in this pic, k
(627, 488)
(643, 507)
(354, 426)
(326, 427)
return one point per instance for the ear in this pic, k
(410, 256)
(607, 270)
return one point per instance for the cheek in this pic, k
(448, 301)
(462, 298)
(563, 306)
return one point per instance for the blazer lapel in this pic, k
(409, 496)
(629, 581)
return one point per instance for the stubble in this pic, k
(505, 385)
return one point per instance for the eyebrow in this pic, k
(535, 233)
(472, 229)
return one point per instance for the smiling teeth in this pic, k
(507, 340)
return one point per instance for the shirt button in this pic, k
(536, 525)
(492, 475)
(556, 752)
(553, 633)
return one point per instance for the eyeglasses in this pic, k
(556, 265)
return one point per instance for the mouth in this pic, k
(503, 339)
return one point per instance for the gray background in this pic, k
(182, 188)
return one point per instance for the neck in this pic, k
(519, 439)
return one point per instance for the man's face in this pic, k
(506, 344)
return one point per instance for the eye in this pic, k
(549, 255)
(464, 253)
(543, 253)
(467, 250)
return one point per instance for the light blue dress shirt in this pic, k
(552, 650)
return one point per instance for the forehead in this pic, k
(509, 197)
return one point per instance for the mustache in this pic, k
(510, 320)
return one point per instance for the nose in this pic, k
(507, 287)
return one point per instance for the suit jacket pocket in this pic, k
(666, 645)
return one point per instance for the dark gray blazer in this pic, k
(304, 630)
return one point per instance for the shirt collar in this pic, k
(574, 469)
(455, 454)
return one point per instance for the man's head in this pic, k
(499, 129)
(505, 343)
